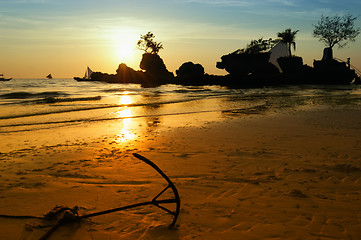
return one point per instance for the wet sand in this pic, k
(281, 175)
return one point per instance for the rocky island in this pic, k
(260, 63)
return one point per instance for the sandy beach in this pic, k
(292, 174)
(180, 120)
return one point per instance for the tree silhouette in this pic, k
(336, 30)
(288, 37)
(257, 46)
(148, 45)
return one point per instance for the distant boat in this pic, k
(4, 79)
(86, 77)
(49, 76)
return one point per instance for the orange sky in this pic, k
(64, 37)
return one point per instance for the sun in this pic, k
(123, 45)
(125, 51)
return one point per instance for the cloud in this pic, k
(245, 3)
(226, 3)
(284, 2)
(7, 21)
(24, 1)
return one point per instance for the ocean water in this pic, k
(38, 104)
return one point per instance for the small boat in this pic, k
(4, 79)
(49, 76)
(87, 75)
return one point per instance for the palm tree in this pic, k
(288, 37)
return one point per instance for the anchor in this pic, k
(67, 215)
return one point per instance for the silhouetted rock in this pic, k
(290, 65)
(333, 72)
(190, 70)
(155, 73)
(126, 74)
(190, 74)
(243, 64)
(294, 71)
(124, 70)
(155, 70)
(245, 70)
(250, 69)
(103, 77)
(266, 74)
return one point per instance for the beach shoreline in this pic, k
(292, 174)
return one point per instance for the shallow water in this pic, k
(38, 105)
(31, 104)
(34, 104)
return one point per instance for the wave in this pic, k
(50, 100)
(130, 91)
(58, 111)
(26, 95)
(42, 125)
(192, 90)
(89, 107)
(60, 100)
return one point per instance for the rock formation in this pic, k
(190, 74)
(249, 69)
(245, 70)
(155, 70)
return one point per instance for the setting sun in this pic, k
(125, 52)
(123, 45)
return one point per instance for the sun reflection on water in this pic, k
(125, 99)
(125, 114)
